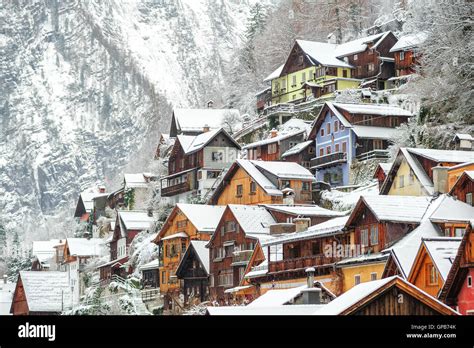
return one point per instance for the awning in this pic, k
(239, 290)
(176, 235)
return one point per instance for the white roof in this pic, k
(275, 139)
(462, 136)
(369, 132)
(442, 250)
(259, 178)
(192, 143)
(385, 167)
(204, 217)
(323, 53)
(88, 199)
(46, 291)
(297, 148)
(276, 297)
(358, 45)
(135, 180)
(397, 208)
(44, 249)
(275, 310)
(253, 219)
(452, 209)
(85, 247)
(285, 170)
(324, 228)
(444, 155)
(155, 264)
(409, 41)
(175, 235)
(364, 258)
(135, 220)
(194, 120)
(203, 253)
(373, 109)
(303, 210)
(275, 74)
(420, 173)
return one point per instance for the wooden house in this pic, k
(463, 189)
(116, 199)
(195, 121)
(458, 289)
(165, 144)
(262, 182)
(407, 55)
(41, 293)
(194, 270)
(301, 153)
(235, 247)
(44, 255)
(464, 142)
(455, 172)
(433, 263)
(388, 296)
(127, 225)
(422, 172)
(346, 133)
(186, 222)
(264, 99)
(196, 162)
(295, 214)
(381, 172)
(452, 216)
(151, 274)
(271, 149)
(85, 204)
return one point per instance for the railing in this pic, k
(150, 294)
(300, 263)
(241, 257)
(328, 160)
(374, 154)
(175, 189)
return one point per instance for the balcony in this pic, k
(329, 160)
(175, 189)
(374, 154)
(300, 263)
(241, 258)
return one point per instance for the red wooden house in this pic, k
(406, 53)
(271, 149)
(381, 172)
(458, 289)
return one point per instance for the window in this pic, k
(240, 190)
(458, 232)
(374, 235)
(229, 250)
(402, 55)
(163, 277)
(411, 178)
(321, 152)
(305, 186)
(336, 126)
(253, 187)
(356, 57)
(378, 144)
(283, 85)
(469, 281)
(230, 226)
(447, 232)
(303, 77)
(336, 148)
(226, 278)
(322, 132)
(401, 181)
(367, 120)
(311, 149)
(357, 279)
(469, 198)
(316, 248)
(394, 122)
(294, 251)
(285, 184)
(217, 156)
(222, 230)
(328, 128)
(328, 150)
(371, 51)
(373, 276)
(300, 59)
(212, 174)
(344, 147)
(241, 272)
(294, 81)
(344, 73)
(341, 127)
(371, 67)
(181, 224)
(183, 247)
(432, 274)
(364, 236)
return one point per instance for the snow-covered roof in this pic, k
(323, 53)
(84, 246)
(303, 210)
(418, 170)
(252, 219)
(259, 178)
(286, 170)
(194, 120)
(297, 149)
(175, 235)
(46, 291)
(88, 199)
(372, 132)
(135, 220)
(275, 139)
(275, 310)
(452, 209)
(276, 297)
(274, 74)
(409, 41)
(364, 258)
(442, 251)
(155, 264)
(385, 167)
(44, 249)
(191, 143)
(407, 209)
(373, 109)
(134, 180)
(453, 156)
(325, 228)
(463, 136)
(359, 45)
(205, 218)
(203, 253)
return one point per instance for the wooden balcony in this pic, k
(300, 263)
(329, 160)
(241, 257)
(374, 154)
(175, 189)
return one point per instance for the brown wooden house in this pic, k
(234, 245)
(463, 189)
(272, 149)
(381, 172)
(301, 153)
(433, 263)
(262, 182)
(297, 214)
(406, 53)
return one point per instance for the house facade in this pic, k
(407, 55)
(272, 149)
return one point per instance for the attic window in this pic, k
(432, 275)
(300, 60)
(356, 57)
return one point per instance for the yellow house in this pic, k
(454, 173)
(311, 68)
(361, 269)
(186, 222)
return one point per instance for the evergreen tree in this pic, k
(3, 241)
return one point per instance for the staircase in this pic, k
(216, 183)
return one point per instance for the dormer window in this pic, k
(356, 57)
(300, 59)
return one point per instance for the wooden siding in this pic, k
(419, 275)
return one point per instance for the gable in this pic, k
(171, 225)
(410, 188)
(294, 62)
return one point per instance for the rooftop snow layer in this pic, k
(303, 210)
(359, 45)
(274, 74)
(196, 119)
(85, 247)
(252, 219)
(192, 144)
(205, 218)
(452, 156)
(442, 250)
(371, 132)
(409, 41)
(135, 180)
(462, 136)
(44, 250)
(285, 170)
(373, 109)
(275, 310)
(259, 178)
(277, 297)
(135, 220)
(397, 208)
(297, 149)
(278, 138)
(452, 209)
(323, 53)
(203, 253)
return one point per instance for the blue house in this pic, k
(344, 133)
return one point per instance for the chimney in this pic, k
(288, 196)
(302, 224)
(310, 276)
(282, 228)
(311, 295)
(273, 133)
(206, 128)
(101, 189)
(332, 39)
(440, 179)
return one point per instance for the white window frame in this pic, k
(469, 281)
(469, 198)
(364, 236)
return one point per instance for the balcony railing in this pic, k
(329, 160)
(300, 263)
(241, 257)
(374, 154)
(175, 189)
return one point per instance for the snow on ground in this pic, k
(342, 201)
